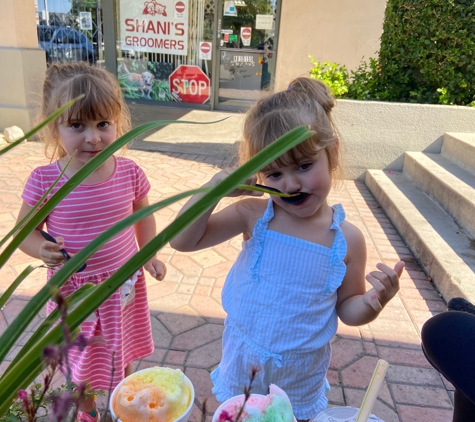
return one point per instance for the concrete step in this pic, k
(447, 183)
(446, 252)
(460, 148)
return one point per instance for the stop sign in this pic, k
(189, 84)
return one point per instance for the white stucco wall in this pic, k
(375, 135)
(341, 31)
(23, 64)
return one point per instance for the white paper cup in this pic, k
(239, 398)
(341, 414)
(182, 418)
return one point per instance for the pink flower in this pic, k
(225, 417)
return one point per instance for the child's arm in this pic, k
(145, 231)
(355, 305)
(211, 229)
(37, 247)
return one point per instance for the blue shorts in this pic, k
(301, 375)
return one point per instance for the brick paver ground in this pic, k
(187, 317)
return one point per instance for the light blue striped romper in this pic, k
(280, 298)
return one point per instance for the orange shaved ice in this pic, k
(153, 395)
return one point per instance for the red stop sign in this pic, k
(189, 84)
(246, 33)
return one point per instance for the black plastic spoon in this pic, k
(50, 238)
(296, 198)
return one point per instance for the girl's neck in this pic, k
(315, 229)
(102, 173)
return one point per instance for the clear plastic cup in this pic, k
(236, 400)
(341, 414)
(183, 418)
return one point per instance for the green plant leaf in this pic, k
(42, 213)
(26, 315)
(48, 120)
(27, 217)
(26, 368)
(73, 299)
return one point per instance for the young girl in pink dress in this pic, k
(121, 326)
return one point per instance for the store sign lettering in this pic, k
(243, 61)
(153, 26)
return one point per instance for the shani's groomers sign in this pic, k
(155, 26)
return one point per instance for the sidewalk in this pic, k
(185, 309)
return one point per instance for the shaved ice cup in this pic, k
(233, 400)
(183, 418)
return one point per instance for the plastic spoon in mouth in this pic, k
(296, 198)
(50, 238)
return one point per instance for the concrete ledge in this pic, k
(376, 134)
(444, 251)
(445, 182)
(460, 148)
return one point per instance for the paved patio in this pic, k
(187, 317)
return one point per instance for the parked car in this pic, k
(62, 43)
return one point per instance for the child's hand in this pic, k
(385, 284)
(218, 177)
(49, 252)
(156, 268)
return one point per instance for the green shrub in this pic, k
(427, 55)
(334, 75)
(427, 52)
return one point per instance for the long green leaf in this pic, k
(20, 377)
(48, 120)
(105, 289)
(73, 299)
(75, 180)
(72, 183)
(25, 273)
(40, 202)
(19, 324)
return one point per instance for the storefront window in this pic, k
(164, 49)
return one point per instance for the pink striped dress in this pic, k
(121, 333)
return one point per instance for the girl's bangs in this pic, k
(97, 104)
(303, 150)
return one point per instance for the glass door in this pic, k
(246, 51)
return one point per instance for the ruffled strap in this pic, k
(339, 249)
(257, 239)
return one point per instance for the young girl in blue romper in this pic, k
(301, 266)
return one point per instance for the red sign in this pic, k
(179, 7)
(205, 48)
(246, 33)
(189, 84)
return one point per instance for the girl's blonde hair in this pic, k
(305, 102)
(103, 100)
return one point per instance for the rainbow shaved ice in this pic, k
(152, 395)
(275, 407)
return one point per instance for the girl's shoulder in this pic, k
(126, 162)
(353, 236)
(128, 166)
(250, 211)
(46, 172)
(251, 207)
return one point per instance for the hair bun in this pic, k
(315, 90)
